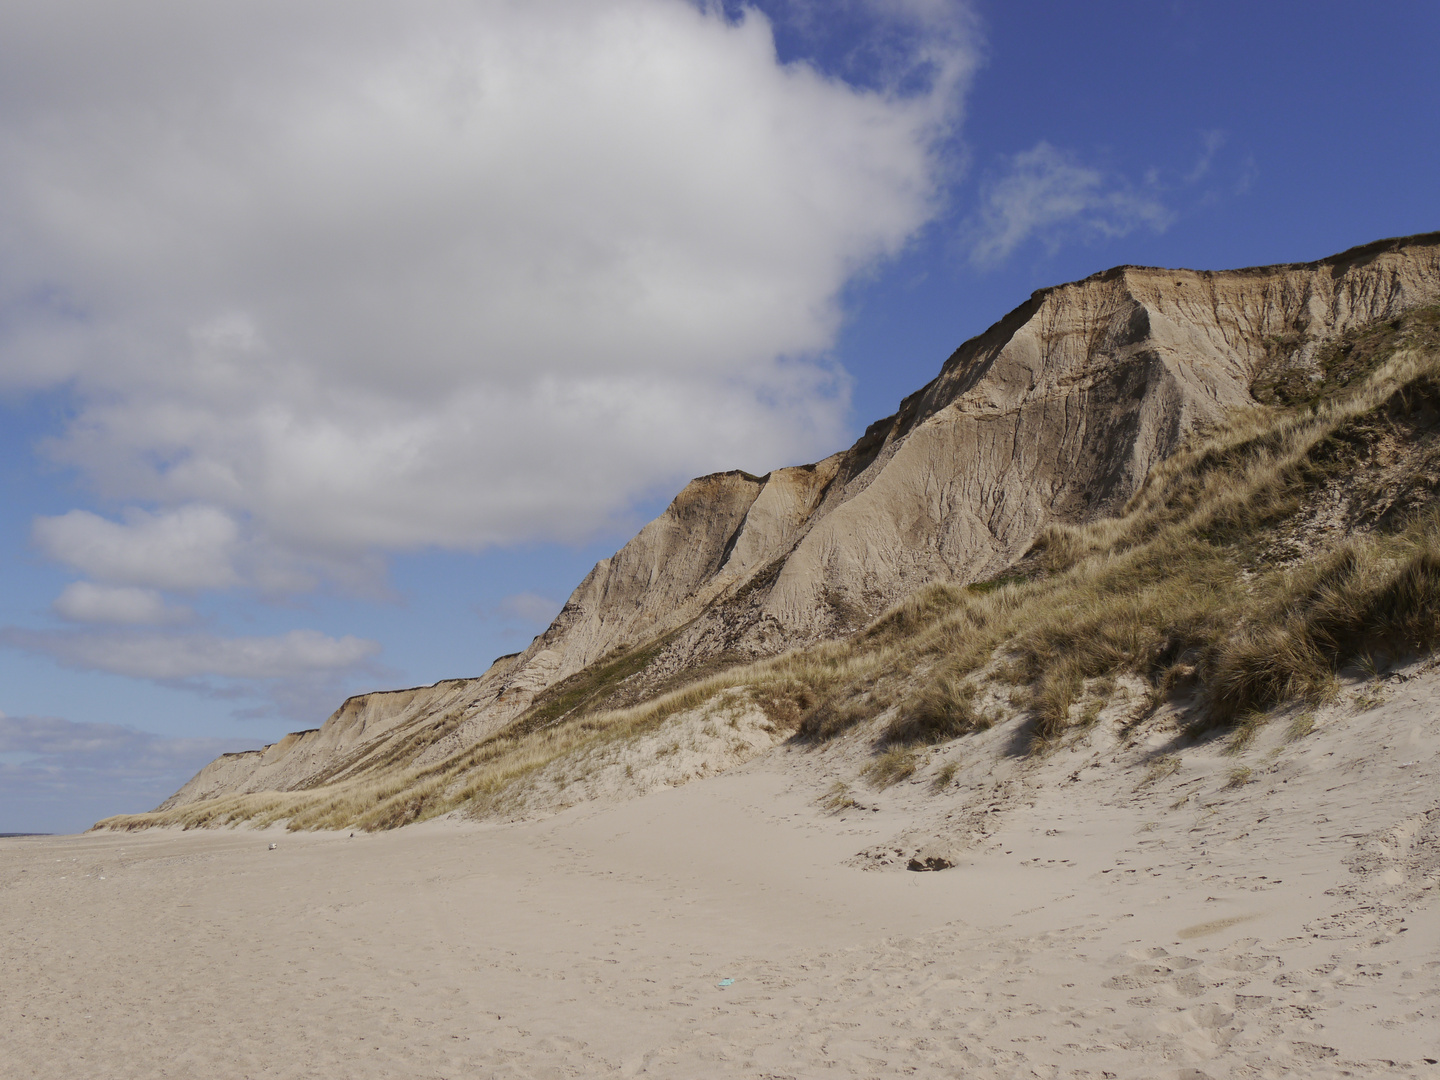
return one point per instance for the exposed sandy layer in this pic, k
(1055, 414)
(1285, 927)
(689, 746)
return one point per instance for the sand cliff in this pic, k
(1055, 414)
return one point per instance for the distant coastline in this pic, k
(12, 835)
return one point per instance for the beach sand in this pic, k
(1094, 925)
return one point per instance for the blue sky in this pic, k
(334, 352)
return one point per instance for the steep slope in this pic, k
(1055, 415)
(355, 737)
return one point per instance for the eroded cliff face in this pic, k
(1056, 413)
(356, 736)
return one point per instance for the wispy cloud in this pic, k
(1048, 194)
(118, 751)
(895, 46)
(1249, 172)
(59, 775)
(1211, 142)
(300, 676)
(168, 656)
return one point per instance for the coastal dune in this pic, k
(1054, 417)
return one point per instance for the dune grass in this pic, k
(1189, 589)
(1184, 588)
(892, 766)
(941, 710)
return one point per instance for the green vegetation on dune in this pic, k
(1250, 569)
(1213, 580)
(585, 690)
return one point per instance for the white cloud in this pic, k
(1048, 194)
(336, 278)
(173, 656)
(83, 601)
(191, 547)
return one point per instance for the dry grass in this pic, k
(1178, 588)
(891, 767)
(1244, 732)
(1160, 768)
(945, 777)
(939, 710)
(483, 778)
(1303, 724)
(1183, 589)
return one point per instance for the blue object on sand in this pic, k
(726, 982)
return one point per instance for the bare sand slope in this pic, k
(1285, 927)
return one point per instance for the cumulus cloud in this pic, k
(83, 601)
(1048, 194)
(191, 547)
(338, 278)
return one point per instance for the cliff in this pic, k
(1056, 414)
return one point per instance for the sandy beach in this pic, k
(1100, 922)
